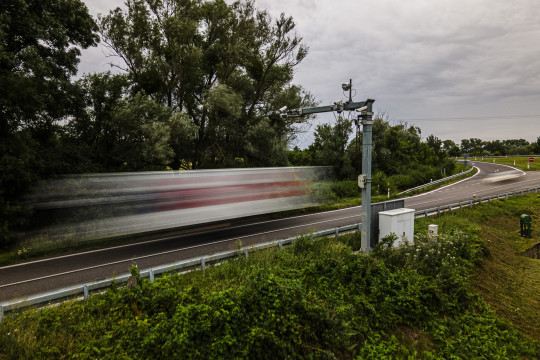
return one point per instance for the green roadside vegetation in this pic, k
(507, 280)
(468, 294)
(346, 193)
(333, 194)
(521, 163)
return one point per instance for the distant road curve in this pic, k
(46, 274)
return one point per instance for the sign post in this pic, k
(365, 108)
(366, 119)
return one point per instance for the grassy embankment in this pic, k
(518, 162)
(469, 294)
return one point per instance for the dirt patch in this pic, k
(533, 252)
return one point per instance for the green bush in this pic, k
(346, 189)
(402, 181)
(317, 299)
(327, 192)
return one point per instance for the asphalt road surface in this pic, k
(42, 275)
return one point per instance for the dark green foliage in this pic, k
(223, 67)
(478, 147)
(317, 300)
(400, 159)
(297, 157)
(38, 55)
(40, 44)
(345, 189)
(330, 145)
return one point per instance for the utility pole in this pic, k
(366, 119)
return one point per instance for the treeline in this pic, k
(197, 79)
(400, 158)
(477, 147)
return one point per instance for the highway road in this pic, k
(41, 275)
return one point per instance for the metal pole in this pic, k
(367, 123)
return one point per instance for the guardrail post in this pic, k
(151, 275)
(506, 196)
(337, 233)
(460, 205)
(85, 290)
(438, 211)
(203, 264)
(359, 226)
(246, 253)
(280, 245)
(521, 192)
(1, 312)
(425, 213)
(470, 203)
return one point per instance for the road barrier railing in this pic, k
(84, 290)
(475, 201)
(436, 182)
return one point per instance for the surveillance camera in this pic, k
(283, 109)
(338, 106)
(346, 87)
(361, 109)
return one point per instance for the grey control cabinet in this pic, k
(399, 222)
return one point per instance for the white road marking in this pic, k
(446, 186)
(164, 239)
(171, 251)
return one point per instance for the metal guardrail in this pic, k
(469, 203)
(469, 157)
(201, 262)
(436, 182)
(183, 265)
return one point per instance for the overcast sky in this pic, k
(455, 68)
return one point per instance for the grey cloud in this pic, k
(418, 59)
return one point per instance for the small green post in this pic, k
(525, 222)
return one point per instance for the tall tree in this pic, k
(223, 66)
(472, 146)
(436, 145)
(451, 148)
(330, 145)
(535, 146)
(39, 50)
(119, 131)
